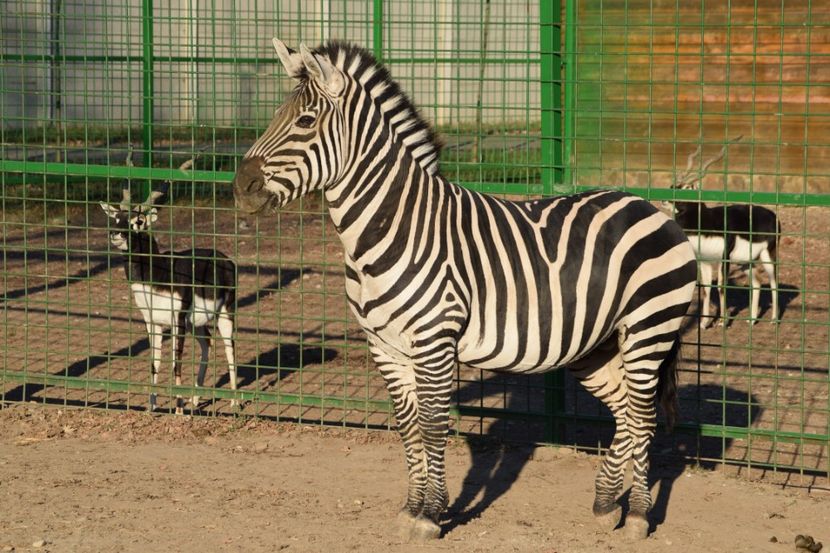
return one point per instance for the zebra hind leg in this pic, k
(601, 373)
(644, 354)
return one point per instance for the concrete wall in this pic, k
(244, 85)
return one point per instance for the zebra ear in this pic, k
(291, 60)
(323, 71)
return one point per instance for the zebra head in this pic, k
(302, 147)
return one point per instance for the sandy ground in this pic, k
(73, 480)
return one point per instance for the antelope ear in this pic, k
(323, 71)
(152, 216)
(109, 210)
(291, 60)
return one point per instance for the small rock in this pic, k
(39, 543)
(358, 502)
(803, 542)
(243, 225)
(7, 548)
(260, 447)
(773, 540)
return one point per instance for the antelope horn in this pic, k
(155, 195)
(691, 159)
(125, 184)
(688, 177)
(125, 195)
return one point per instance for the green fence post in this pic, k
(551, 139)
(147, 87)
(569, 88)
(377, 30)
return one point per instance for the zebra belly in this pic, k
(508, 359)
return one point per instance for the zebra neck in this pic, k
(384, 199)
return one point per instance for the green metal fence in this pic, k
(530, 98)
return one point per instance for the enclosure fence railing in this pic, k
(529, 98)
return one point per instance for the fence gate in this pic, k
(530, 98)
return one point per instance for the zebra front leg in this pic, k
(154, 335)
(400, 381)
(433, 377)
(602, 375)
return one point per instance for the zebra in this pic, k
(440, 276)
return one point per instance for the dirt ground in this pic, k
(84, 480)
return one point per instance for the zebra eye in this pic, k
(305, 121)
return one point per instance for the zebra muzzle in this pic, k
(248, 186)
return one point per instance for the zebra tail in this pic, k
(667, 385)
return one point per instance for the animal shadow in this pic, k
(738, 299)
(498, 459)
(25, 392)
(704, 404)
(279, 362)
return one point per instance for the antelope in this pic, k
(181, 290)
(721, 235)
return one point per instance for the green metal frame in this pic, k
(565, 104)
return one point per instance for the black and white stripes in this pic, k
(439, 275)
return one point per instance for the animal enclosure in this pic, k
(529, 98)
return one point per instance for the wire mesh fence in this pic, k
(529, 98)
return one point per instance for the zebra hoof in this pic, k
(424, 529)
(608, 519)
(636, 527)
(406, 523)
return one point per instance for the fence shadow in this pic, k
(54, 284)
(269, 367)
(497, 462)
(26, 391)
(738, 299)
(704, 404)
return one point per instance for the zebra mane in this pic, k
(405, 121)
